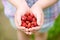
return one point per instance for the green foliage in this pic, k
(32, 37)
(54, 32)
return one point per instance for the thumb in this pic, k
(19, 20)
(40, 18)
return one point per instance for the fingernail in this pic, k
(29, 29)
(27, 33)
(26, 29)
(30, 33)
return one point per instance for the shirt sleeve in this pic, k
(9, 9)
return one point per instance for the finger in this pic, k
(19, 20)
(36, 28)
(18, 17)
(16, 23)
(30, 29)
(26, 29)
(29, 33)
(39, 16)
(41, 20)
(38, 19)
(21, 28)
(18, 27)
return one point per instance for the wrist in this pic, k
(36, 7)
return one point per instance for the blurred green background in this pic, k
(8, 33)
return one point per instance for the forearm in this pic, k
(45, 3)
(16, 3)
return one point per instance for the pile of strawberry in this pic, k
(28, 20)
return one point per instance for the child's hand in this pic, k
(38, 12)
(19, 12)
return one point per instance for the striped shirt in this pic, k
(50, 13)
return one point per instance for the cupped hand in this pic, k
(38, 12)
(20, 11)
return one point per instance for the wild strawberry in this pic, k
(24, 24)
(34, 19)
(29, 18)
(32, 25)
(32, 15)
(35, 23)
(29, 25)
(23, 18)
(27, 22)
(27, 14)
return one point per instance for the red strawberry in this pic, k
(24, 24)
(23, 21)
(32, 25)
(27, 22)
(29, 18)
(27, 14)
(34, 19)
(35, 23)
(29, 25)
(23, 18)
(31, 15)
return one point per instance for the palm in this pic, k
(20, 11)
(38, 12)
